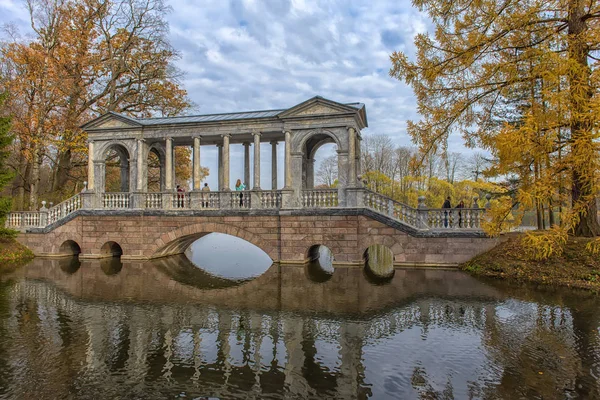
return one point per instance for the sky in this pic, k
(243, 55)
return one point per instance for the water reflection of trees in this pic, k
(147, 350)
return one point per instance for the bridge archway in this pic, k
(178, 240)
(111, 249)
(70, 248)
(310, 146)
(116, 173)
(155, 173)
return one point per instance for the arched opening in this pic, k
(111, 249)
(156, 170)
(117, 169)
(320, 162)
(379, 263)
(226, 256)
(69, 265)
(319, 265)
(69, 248)
(111, 266)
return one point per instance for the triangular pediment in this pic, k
(111, 120)
(317, 106)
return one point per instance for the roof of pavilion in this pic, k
(244, 115)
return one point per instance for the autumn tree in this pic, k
(483, 53)
(6, 173)
(328, 172)
(87, 57)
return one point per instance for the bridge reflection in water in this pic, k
(159, 329)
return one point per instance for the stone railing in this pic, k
(24, 219)
(238, 200)
(116, 200)
(320, 198)
(270, 198)
(45, 216)
(455, 218)
(63, 209)
(420, 218)
(392, 208)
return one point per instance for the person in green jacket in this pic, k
(240, 187)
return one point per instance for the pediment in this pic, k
(111, 120)
(317, 106)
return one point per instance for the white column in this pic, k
(352, 156)
(169, 164)
(140, 165)
(226, 163)
(196, 169)
(274, 165)
(220, 166)
(256, 160)
(288, 160)
(90, 177)
(247, 164)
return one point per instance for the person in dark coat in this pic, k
(459, 206)
(446, 205)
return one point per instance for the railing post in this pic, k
(196, 199)
(255, 199)
(138, 200)
(355, 197)
(167, 200)
(422, 214)
(289, 198)
(43, 215)
(225, 200)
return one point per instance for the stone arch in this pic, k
(125, 158)
(301, 140)
(378, 261)
(178, 240)
(159, 151)
(111, 249)
(309, 144)
(69, 247)
(394, 243)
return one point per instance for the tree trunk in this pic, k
(62, 171)
(35, 180)
(583, 186)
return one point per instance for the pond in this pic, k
(171, 329)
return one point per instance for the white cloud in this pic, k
(262, 54)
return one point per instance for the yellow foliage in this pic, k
(543, 245)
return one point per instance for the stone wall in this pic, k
(285, 237)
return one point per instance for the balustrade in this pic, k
(63, 209)
(270, 198)
(115, 200)
(455, 218)
(180, 200)
(320, 198)
(419, 218)
(153, 201)
(239, 200)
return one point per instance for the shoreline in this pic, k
(13, 255)
(576, 268)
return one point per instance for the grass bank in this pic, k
(13, 254)
(576, 267)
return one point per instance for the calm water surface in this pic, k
(168, 329)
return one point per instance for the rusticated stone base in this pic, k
(285, 236)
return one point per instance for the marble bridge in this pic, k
(285, 222)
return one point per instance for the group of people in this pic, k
(447, 204)
(239, 187)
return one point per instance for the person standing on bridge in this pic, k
(205, 196)
(446, 204)
(459, 206)
(180, 196)
(240, 187)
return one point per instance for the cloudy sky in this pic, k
(243, 55)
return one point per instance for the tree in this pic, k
(327, 172)
(483, 53)
(87, 57)
(476, 164)
(5, 173)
